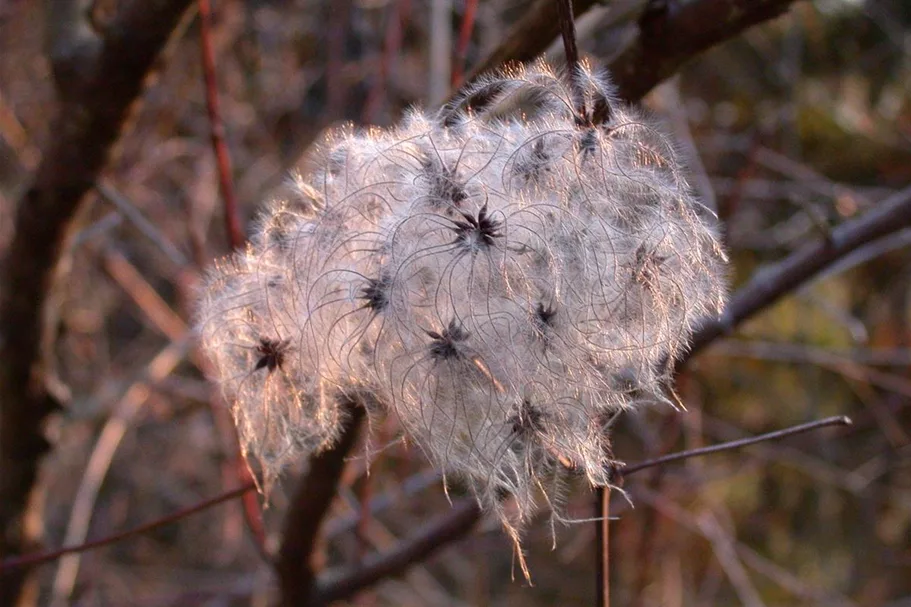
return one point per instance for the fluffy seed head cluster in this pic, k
(502, 280)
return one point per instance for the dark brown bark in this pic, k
(98, 79)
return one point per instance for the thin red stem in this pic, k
(602, 520)
(392, 43)
(458, 68)
(222, 156)
(252, 511)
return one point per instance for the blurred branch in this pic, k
(10, 565)
(771, 284)
(309, 506)
(98, 80)
(340, 585)
(344, 583)
(468, 19)
(115, 428)
(667, 39)
(677, 32)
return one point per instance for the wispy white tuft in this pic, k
(504, 280)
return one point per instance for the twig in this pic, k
(251, 508)
(308, 509)
(736, 444)
(222, 156)
(568, 33)
(338, 585)
(769, 285)
(458, 68)
(144, 295)
(96, 96)
(345, 583)
(23, 562)
(115, 428)
(602, 546)
(148, 229)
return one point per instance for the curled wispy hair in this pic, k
(503, 275)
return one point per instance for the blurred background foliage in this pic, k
(791, 129)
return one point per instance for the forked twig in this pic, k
(339, 585)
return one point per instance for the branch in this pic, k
(309, 506)
(735, 444)
(341, 584)
(95, 104)
(222, 155)
(25, 562)
(667, 38)
(771, 284)
(530, 36)
(671, 37)
(335, 586)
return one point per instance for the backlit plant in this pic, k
(503, 277)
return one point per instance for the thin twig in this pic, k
(736, 444)
(458, 68)
(222, 156)
(602, 546)
(568, 33)
(26, 561)
(769, 285)
(346, 583)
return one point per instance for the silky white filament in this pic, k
(503, 280)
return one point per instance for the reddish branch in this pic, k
(222, 156)
(98, 79)
(458, 66)
(235, 234)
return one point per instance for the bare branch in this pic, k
(736, 444)
(309, 506)
(341, 584)
(90, 120)
(771, 284)
(671, 37)
(10, 565)
(667, 38)
(222, 155)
